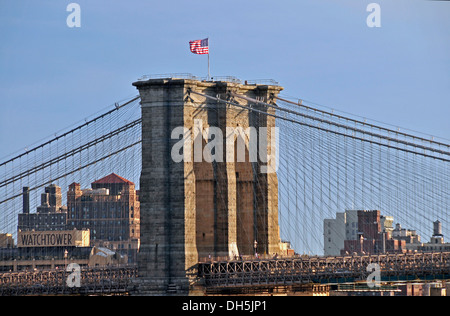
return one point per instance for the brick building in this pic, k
(374, 237)
(369, 224)
(110, 210)
(51, 215)
(6, 241)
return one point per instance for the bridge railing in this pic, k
(114, 279)
(246, 258)
(301, 270)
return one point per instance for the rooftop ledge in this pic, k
(188, 76)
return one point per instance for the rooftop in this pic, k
(113, 179)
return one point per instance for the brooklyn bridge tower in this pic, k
(193, 209)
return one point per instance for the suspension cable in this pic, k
(358, 130)
(74, 170)
(431, 141)
(69, 154)
(117, 107)
(320, 128)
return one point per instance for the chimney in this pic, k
(437, 228)
(26, 200)
(54, 196)
(45, 199)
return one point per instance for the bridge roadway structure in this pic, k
(291, 273)
(93, 281)
(244, 275)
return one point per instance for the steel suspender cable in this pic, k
(117, 107)
(347, 127)
(335, 132)
(431, 141)
(75, 170)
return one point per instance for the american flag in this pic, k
(199, 46)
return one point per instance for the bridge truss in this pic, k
(93, 281)
(294, 272)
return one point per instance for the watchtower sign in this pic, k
(70, 238)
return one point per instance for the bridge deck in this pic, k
(240, 274)
(107, 280)
(304, 270)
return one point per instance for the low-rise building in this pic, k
(336, 231)
(410, 237)
(375, 233)
(6, 241)
(436, 243)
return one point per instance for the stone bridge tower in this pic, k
(192, 209)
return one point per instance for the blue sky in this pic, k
(52, 76)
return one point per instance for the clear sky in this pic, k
(52, 76)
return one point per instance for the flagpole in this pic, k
(209, 75)
(201, 47)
